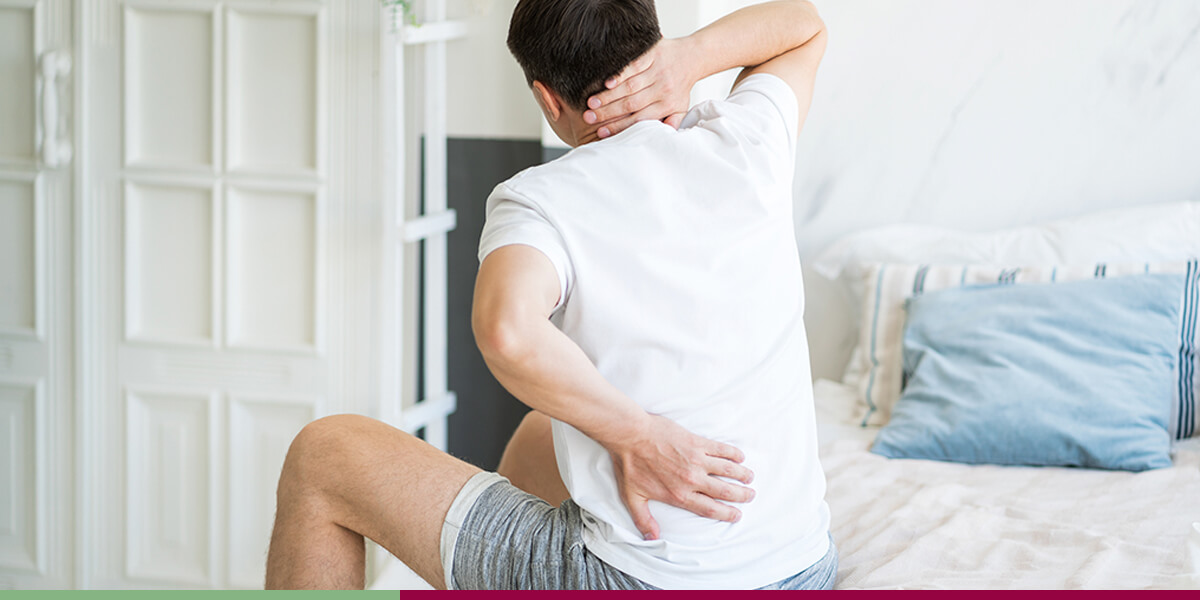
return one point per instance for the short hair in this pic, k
(573, 46)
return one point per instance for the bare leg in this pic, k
(346, 477)
(528, 460)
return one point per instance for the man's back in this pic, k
(681, 282)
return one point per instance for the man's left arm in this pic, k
(654, 458)
(785, 37)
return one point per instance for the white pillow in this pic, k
(1159, 232)
(876, 369)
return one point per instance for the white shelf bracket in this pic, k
(430, 225)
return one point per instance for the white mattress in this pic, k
(928, 524)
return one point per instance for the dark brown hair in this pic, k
(573, 46)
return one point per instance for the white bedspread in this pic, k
(927, 524)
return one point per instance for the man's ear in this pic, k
(549, 100)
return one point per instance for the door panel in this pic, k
(35, 249)
(272, 255)
(18, 481)
(169, 252)
(18, 256)
(169, 487)
(273, 99)
(169, 87)
(262, 427)
(17, 67)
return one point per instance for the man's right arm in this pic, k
(653, 457)
(785, 38)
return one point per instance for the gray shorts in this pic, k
(498, 537)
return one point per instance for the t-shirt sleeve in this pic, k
(769, 111)
(512, 222)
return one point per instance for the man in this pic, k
(643, 295)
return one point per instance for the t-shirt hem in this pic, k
(704, 578)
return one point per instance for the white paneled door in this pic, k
(190, 239)
(189, 246)
(35, 234)
(212, 315)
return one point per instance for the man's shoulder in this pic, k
(758, 117)
(765, 97)
(518, 186)
(556, 168)
(535, 187)
(588, 170)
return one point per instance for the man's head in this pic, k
(568, 48)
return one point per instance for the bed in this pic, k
(1012, 135)
(920, 524)
(916, 524)
(928, 524)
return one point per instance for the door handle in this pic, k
(55, 139)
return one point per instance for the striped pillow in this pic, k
(876, 368)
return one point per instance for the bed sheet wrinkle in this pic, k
(930, 525)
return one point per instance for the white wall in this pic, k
(982, 115)
(487, 94)
(966, 113)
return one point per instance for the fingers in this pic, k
(632, 85)
(653, 112)
(726, 492)
(674, 120)
(616, 126)
(720, 450)
(639, 509)
(705, 506)
(726, 468)
(639, 65)
(628, 97)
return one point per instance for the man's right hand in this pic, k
(669, 464)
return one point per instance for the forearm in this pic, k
(546, 370)
(653, 457)
(752, 36)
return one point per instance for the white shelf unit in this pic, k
(432, 223)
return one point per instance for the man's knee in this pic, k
(321, 451)
(533, 433)
(535, 421)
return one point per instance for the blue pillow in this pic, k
(1070, 374)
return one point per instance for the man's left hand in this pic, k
(656, 86)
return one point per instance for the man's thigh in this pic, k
(387, 485)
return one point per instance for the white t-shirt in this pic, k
(680, 280)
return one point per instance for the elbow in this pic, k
(821, 40)
(820, 33)
(809, 21)
(815, 19)
(499, 338)
(810, 9)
